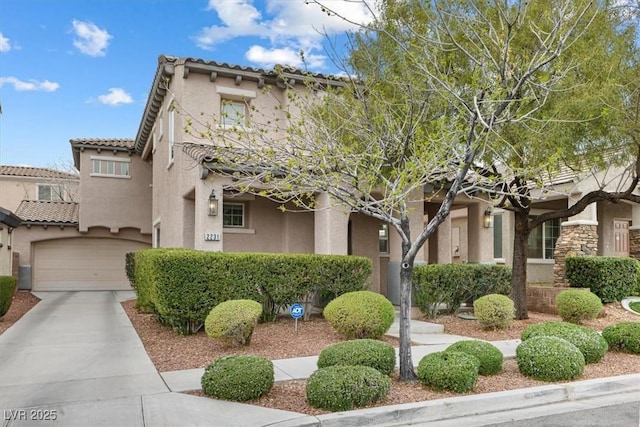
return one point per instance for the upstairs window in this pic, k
(51, 193)
(383, 238)
(233, 113)
(109, 167)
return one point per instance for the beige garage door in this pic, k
(81, 264)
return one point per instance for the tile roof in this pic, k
(103, 142)
(35, 172)
(42, 212)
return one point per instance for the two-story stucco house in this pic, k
(156, 190)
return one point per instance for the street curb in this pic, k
(465, 406)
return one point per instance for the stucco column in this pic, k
(445, 251)
(578, 237)
(331, 226)
(208, 233)
(480, 237)
(634, 232)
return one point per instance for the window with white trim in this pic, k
(171, 130)
(233, 215)
(110, 167)
(383, 238)
(156, 235)
(542, 240)
(233, 113)
(51, 192)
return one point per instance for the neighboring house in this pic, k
(18, 183)
(156, 190)
(66, 245)
(8, 222)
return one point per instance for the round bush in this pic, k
(549, 359)
(590, 343)
(623, 336)
(494, 311)
(378, 355)
(576, 306)
(340, 388)
(239, 378)
(489, 355)
(360, 314)
(7, 291)
(233, 321)
(449, 370)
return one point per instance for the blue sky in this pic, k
(83, 68)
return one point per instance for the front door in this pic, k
(621, 237)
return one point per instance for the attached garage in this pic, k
(81, 264)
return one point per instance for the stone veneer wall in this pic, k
(574, 240)
(634, 243)
(542, 299)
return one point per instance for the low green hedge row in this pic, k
(7, 291)
(375, 354)
(623, 336)
(610, 278)
(453, 284)
(590, 343)
(182, 285)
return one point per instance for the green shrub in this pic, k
(449, 370)
(452, 284)
(130, 267)
(590, 343)
(7, 291)
(361, 314)
(378, 355)
(233, 321)
(340, 388)
(494, 311)
(181, 286)
(239, 378)
(549, 359)
(576, 306)
(623, 336)
(489, 355)
(610, 278)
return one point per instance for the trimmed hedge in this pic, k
(181, 286)
(7, 291)
(361, 314)
(590, 343)
(378, 355)
(449, 370)
(233, 321)
(489, 356)
(340, 388)
(610, 278)
(576, 306)
(239, 378)
(130, 267)
(452, 284)
(623, 336)
(494, 311)
(549, 359)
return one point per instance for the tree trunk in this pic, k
(406, 280)
(519, 267)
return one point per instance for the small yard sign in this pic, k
(297, 311)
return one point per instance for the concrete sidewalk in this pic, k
(75, 357)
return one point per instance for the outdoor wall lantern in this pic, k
(213, 204)
(488, 218)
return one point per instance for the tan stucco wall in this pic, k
(6, 252)
(364, 242)
(112, 202)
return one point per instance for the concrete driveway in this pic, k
(76, 360)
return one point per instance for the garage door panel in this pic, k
(82, 264)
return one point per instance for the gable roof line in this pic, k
(35, 172)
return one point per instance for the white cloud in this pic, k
(90, 39)
(116, 96)
(5, 45)
(31, 85)
(289, 25)
(267, 58)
